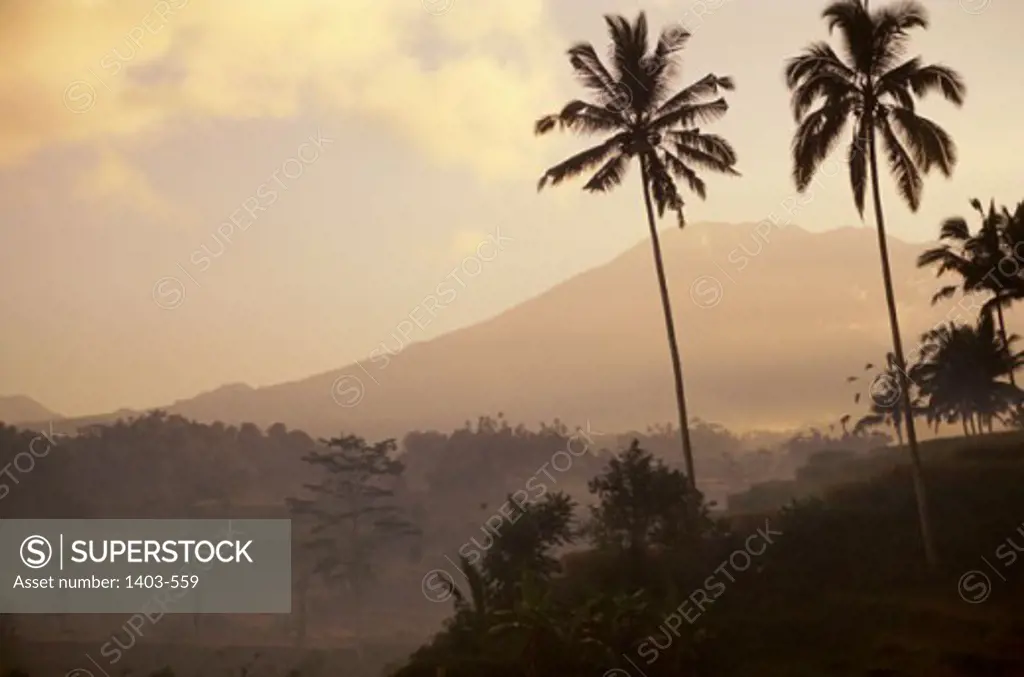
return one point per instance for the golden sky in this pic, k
(339, 158)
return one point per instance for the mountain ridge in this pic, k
(538, 359)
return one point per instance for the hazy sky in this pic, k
(365, 148)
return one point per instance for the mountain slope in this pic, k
(19, 409)
(770, 322)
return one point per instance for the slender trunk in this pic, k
(1002, 335)
(963, 422)
(899, 434)
(897, 344)
(677, 367)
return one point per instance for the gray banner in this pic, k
(124, 566)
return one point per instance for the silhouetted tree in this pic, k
(643, 504)
(632, 103)
(525, 541)
(876, 89)
(977, 258)
(960, 371)
(352, 509)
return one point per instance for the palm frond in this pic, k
(581, 162)
(680, 170)
(582, 117)
(956, 228)
(857, 160)
(688, 115)
(610, 174)
(944, 293)
(850, 19)
(707, 86)
(660, 66)
(663, 188)
(825, 85)
(708, 151)
(590, 70)
(892, 24)
(923, 80)
(817, 58)
(929, 144)
(901, 165)
(815, 138)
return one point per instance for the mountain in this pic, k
(16, 409)
(771, 322)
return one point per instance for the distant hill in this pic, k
(770, 322)
(21, 409)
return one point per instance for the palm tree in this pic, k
(632, 104)
(876, 91)
(1011, 282)
(977, 259)
(960, 372)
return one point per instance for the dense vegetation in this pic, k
(592, 569)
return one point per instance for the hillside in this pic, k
(763, 347)
(20, 409)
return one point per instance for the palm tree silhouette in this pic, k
(633, 104)
(960, 372)
(875, 90)
(977, 258)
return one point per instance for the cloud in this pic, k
(462, 87)
(113, 182)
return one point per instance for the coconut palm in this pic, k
(875, 89)
(633, 105)
(1009, 269)
(960, 373)
(978, 259)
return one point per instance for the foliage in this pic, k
(352, 508)
(839, 592)
(643, 504)
(875, 88)
(960, 370)
(524, 543)
(633, 103)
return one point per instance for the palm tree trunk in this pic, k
(1002, 335)
(897, 344)
(963, 422)
(899, 434)
(677, 367)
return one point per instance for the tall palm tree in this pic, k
(875, 90)
(977, 259)
(632, 103)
